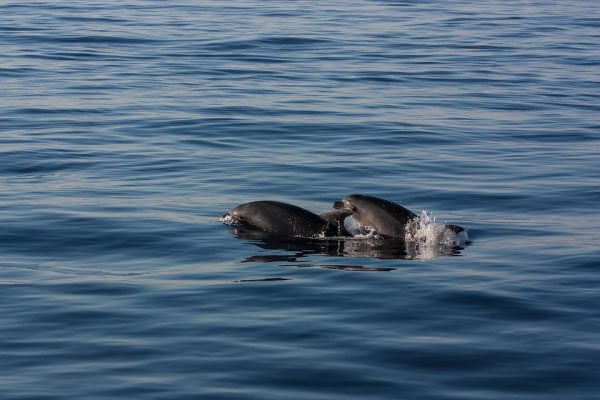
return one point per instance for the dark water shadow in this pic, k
(277, 279)
(338, 247)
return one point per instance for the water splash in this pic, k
(227, 219)
(426, 230)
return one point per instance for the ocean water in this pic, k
(128, 128)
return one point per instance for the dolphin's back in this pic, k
(280, 218)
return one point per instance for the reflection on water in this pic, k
(356, 268)
(340, 247)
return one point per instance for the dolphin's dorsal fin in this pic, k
(336, 220)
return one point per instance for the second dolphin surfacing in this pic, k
(385, 218)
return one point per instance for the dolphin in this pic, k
(386, 218)
(285, 219)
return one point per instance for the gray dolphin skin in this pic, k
(386, 218)
(285, 219)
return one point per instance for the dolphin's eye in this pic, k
(353, 208)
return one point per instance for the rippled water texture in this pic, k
(128, 128)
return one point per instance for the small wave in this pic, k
(293, 41)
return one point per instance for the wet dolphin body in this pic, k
(386, 218)
(289, 220)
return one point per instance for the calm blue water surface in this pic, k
(128, 128)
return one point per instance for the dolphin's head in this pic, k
(354, 204)
(236, 216)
